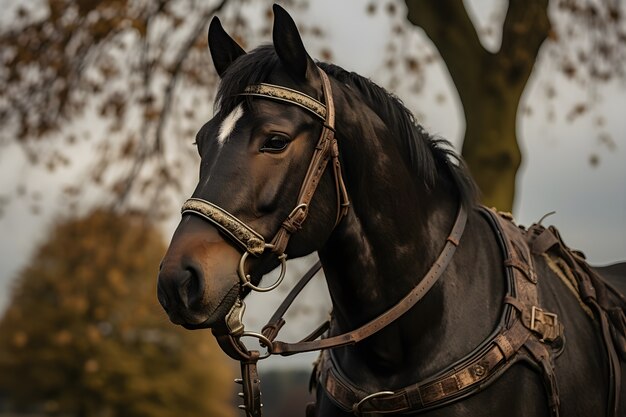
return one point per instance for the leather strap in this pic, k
(596, 295)
(287, 95)
(325, 149)
(475, 372)
(389, 316)
(276, 322)
(251, 386)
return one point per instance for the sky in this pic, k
(590, 201)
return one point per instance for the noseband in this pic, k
(252, 242)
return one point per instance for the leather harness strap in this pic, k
(598, 296)
(465, 378)
(389, 316)
(524, 333)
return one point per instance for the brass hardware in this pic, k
(245, 278)
(264, 341)
(549, 321)
(298, 207)
(234, 318)
(479, 370)
(356, 408)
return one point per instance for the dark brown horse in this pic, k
(381, 208)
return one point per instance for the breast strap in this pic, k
(525, 332)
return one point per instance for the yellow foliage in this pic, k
(85, 335)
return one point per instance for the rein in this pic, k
(253, 243)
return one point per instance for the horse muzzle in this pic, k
(198, 281)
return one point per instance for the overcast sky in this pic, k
(556, 174)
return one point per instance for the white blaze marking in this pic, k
(228, 124)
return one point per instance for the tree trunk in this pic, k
(490, 146)
(490, 85)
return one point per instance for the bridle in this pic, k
(326, 150)
(230, 335)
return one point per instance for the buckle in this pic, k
(356, 408)
(544, 323)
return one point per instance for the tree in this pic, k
(491, 84)
(127, 63)
(84, 335)
(143, 67)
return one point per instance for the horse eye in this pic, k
(275, 143)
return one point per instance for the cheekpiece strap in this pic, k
(288, 95)
(241, 233)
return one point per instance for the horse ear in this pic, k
(224, 49)
(288, 44)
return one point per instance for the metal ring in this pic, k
(245, 278)
(356, 408)
(264, 341)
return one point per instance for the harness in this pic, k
(525, 332)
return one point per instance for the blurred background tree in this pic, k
(143, 68)
(140, 67)
(588, 41)
(84, 335)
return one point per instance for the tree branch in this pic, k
(176, 70)
(450, 28)
(525, 28)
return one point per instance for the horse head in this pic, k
(256, 154)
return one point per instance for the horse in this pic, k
(312, 158)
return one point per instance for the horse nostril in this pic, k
(194, 287)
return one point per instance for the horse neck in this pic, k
(393, 233)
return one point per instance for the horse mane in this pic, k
(429, 156)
